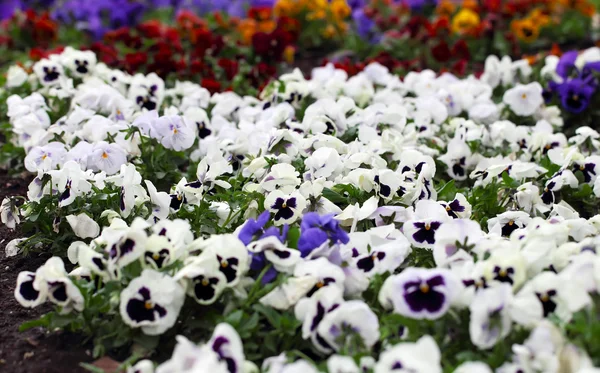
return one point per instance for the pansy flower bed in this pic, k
(329, 223)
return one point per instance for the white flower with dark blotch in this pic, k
(286, 208)
(147, 91)
(48, 71)
(414, 160)
(422, 356)
(107, 157)
(327, 273)
(159, 252)
(558, 295)
(325, 116)
(508, 222)
(387, 183)
(458, 159)
(174, 132)
(283, 258)
(9, 213)
(152, 302)
(588, 167)
(210, 168)
(125, 244)
(28, 292)
(229, 252)
(178, 231)
(226, 343)
(350, 320)
(80, 63)
(524, 100)
(190, 358)
(459, 208)
(202, 279)
(60, 289)
(70, 182)
(490, 319)
(311, 312)
(506, 265)
(83, 226)
(420, 293)
(199, 117)
(378, 250)
(44, 158)
(428, 218)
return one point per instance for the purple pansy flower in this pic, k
(420, 293)
(316, 230)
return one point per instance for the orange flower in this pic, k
(538, 17)
(329, 32)
(525, 29)
(445, 8)
(470, 4)
(267, 26)
(340, 9)
(555, 51)
(247, 28)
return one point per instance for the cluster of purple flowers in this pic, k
(575, 86)
(99, 16)
(316, 230)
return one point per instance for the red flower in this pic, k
(414, 26)
(212, 85)
(151, 29)
(272, 45)
(229, 66)
(106, 53)
(439, 27)
(461, 50)
(459, 67)
(441, 52)
(133, 61)
(260, 13)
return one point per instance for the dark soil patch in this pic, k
(35, 350)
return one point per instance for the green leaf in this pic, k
(447, 192)
(334, 197)
(293, 236)
(43, 321)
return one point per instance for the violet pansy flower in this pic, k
(316, 230)
(420, 293)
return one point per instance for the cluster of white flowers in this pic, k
(355, 166)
